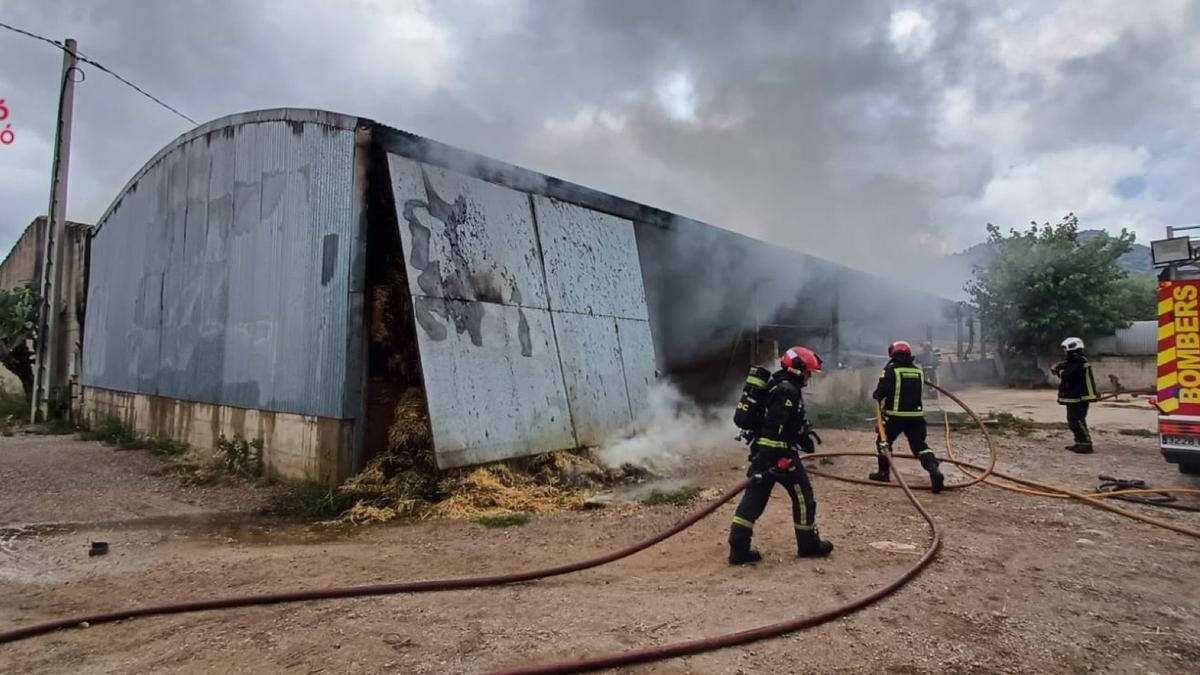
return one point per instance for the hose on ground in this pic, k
(374, 589)
(1056, 492)
(762, 632)
(974, 479)
(1123, 487)
(624, 658)
(663, 651)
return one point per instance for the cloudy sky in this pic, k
(873, 133)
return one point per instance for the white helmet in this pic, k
(1072, 344)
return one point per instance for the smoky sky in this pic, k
(877, 134)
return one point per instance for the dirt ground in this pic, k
(1125, 412)
(1022, 584)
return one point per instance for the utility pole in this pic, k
(46, 367)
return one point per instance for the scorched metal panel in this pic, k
(592, 262)
(497, 400)
(637, 360)
(591, 361)
(466, 239)
(493, 382)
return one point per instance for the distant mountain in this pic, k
(1136, 261)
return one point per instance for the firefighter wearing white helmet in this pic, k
(1076, 389)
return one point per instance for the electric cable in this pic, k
(85, 59)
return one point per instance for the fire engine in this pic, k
(1178, 400)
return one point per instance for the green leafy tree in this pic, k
(18, 328)
(1043, 284)
(1137, 297)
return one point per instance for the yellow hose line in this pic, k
(1052, 495)
(1002, 486)
(1042, 489)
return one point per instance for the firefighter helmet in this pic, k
(1072, 344)
(799, 360)
(899, 347)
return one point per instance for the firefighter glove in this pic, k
(806, 442)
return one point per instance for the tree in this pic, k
(18, 322)
(1043, 284)
(1137, 297)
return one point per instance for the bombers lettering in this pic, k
(1187, 342)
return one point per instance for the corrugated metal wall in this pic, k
(1139, 339)
(531, 315)
(222, 273)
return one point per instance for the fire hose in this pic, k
(1155, 497)
(662, 651)
(1032, 487)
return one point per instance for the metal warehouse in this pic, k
(291, 275)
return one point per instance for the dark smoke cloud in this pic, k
(879, 134)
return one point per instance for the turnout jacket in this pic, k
(1076, 384)
(784, 419)
(899, 388)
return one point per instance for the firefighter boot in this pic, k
(809, 544)
(884, 473)
(740, 552)
(936, 479)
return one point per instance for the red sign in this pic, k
(6, 134)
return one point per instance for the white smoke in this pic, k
(671, 430)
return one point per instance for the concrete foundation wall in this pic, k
(1134, 372)
(300, 447)
(842, 386)
(957, 375)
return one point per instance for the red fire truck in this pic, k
(1178, 348)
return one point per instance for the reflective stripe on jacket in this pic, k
(1077, 384)
(899, 389)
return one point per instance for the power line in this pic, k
(82, 57)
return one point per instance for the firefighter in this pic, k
(774, 459)
(1076, 389)
(899, 396)
(930, 360)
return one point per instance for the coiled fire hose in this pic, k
(653, 653)
(1156, 497)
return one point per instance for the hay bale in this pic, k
(498, 490)
(410, 429)
(362, 513)
(381, 314)
(405, 481)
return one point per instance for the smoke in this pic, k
(670, 432)
(471, 164)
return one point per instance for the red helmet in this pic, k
(900, 347)
(800, 360)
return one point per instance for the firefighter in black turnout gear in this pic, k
(774, 459)
(899, 394)
(1076, 389)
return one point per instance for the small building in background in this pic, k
(23, 267)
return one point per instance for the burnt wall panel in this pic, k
(493, 380)
(591, 356)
